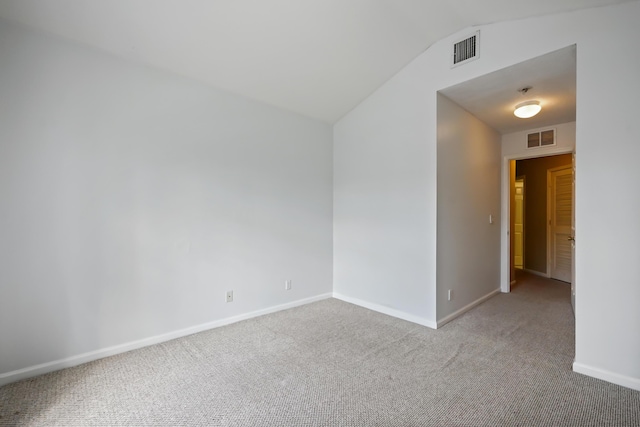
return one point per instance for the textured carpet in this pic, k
(505, 363)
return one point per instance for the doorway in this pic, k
(540, 244)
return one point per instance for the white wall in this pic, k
(385, 179)
(608, 200)
(514, 145)
(384, 214)
(131, 200)
(468, 245)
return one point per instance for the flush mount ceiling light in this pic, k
(527, 109)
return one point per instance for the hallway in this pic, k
(535, 318)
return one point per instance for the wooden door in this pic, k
(560, 232)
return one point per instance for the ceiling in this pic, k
(493, 97)
(319, 58)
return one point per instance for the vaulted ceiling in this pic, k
(319, 58)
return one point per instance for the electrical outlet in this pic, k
(450, 294)
(229, 296)
(287, 285)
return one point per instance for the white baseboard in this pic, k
(467, 307)
(612, 377)
(387, 310)
(79, 359)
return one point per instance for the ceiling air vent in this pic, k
(541, 139)
(466, 50)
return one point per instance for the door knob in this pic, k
(571, 239)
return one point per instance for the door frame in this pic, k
(505, 204)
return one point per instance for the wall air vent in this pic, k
(466, 50)
(541, 139)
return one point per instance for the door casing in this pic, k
(505, 223)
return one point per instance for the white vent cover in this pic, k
(465, 50)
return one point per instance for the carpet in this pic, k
(505, 363)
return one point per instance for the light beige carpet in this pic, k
(505, 363)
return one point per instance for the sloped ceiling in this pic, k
(318, 58)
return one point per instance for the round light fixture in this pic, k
(527, 109)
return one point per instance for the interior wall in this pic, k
(468, 244)
(384, 214)
(133, 199)
(514, 145)
(385, 178)
(535, 216)
(607, 200)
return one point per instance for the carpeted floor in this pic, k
(505, 363)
